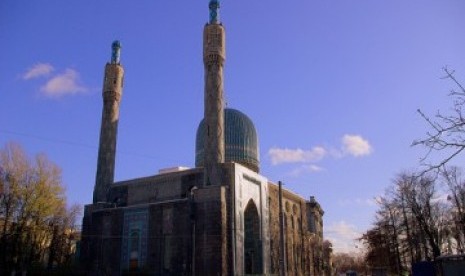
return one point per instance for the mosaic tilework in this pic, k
(134, 220)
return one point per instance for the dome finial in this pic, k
(115, 52)
(214, 6)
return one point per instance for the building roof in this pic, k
(241, 140)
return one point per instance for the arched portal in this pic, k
(134, 248)
(253, 259)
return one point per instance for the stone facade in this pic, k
(219, 219)
(213, 58)
(112, 91)
(301, 245)
(170, 224)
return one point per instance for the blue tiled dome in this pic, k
(241, 141)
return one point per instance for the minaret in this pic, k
(213, 59)
(112, 90)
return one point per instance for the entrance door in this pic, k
(252, 244)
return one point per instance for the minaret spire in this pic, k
(213, 59)
(115, 52)
(214, 6)
(112, 91)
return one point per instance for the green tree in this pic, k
(36, 224)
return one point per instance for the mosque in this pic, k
(220, 218)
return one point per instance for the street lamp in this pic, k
(192, 217)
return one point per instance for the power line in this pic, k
(43, 138)
(72, 143)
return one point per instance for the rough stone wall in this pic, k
(274, 228)
(228, 179)
(167, 197)
(101, 239)
(170, 223)
(213, 58)
(248, 191)
(118, 196)
(168, 243)
(315, 214)
(170, 240)
(297, 242)
(112, 91)
(211, 231)
(156, 188)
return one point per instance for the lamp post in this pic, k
(192, 217)
(282, 264)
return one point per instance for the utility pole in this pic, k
(282, 263)
(193, 218)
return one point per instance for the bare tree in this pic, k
(447, 131)
(420, 194)
(343, 262)
(452, 177)
(389, 222)
(412, 224)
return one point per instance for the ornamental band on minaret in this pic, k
(112, 91)
(213, 58)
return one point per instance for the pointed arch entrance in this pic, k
(253, 259)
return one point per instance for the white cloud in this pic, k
(355, 145)
(306, 169)
(279, 156)
(38, 70)
(314, 168)
(367, 202)
(441, 198)
(63, 84)
(343, 236)
(352, 145)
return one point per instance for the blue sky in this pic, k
(332, 87)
